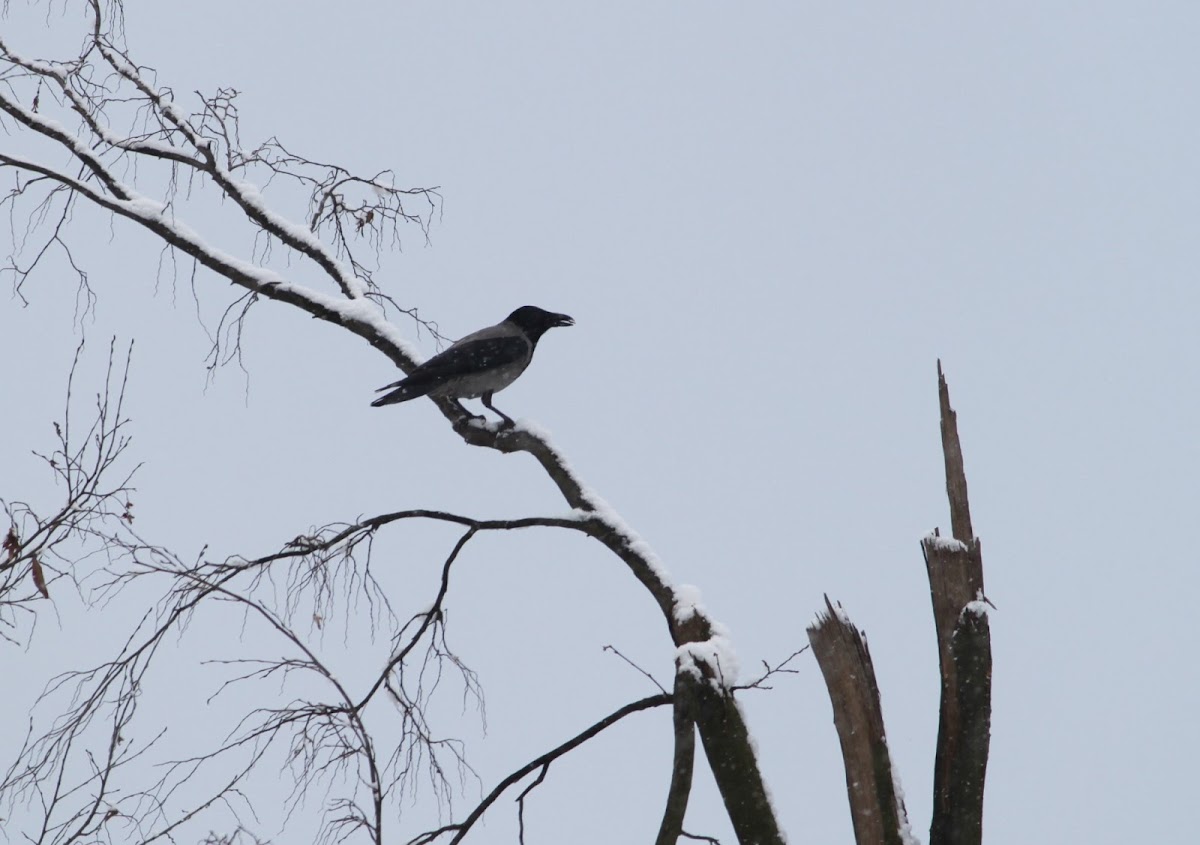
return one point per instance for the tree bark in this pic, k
(684, 760)
(955, 570)
(731, 756)
(841, 650)
(973, 664)
(956, 476)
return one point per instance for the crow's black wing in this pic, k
(463, 359)
(471, 357)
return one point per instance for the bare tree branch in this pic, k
(96, 511)
(521, 802)
(683, 761)
(770, 671)
(322, 738)
(461, 829)
(650, 677)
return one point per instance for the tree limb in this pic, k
(461, 829)
(680, 790)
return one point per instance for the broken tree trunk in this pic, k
(876, 808)
(955, 569)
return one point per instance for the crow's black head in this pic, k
(535, 322)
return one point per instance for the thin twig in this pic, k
(653, 680)
(460, 829)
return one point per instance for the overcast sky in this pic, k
(769, 221)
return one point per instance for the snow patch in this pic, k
(605, 513)
(712, 660)
(947, 544)
(687, 603)
(146, 208)
(362, 310)
(716, 652)
(906, 834)
(978, 607)
(534, 430)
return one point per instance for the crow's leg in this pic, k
(487, 403)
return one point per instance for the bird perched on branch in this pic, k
(482, 363)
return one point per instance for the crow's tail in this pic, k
(404, 391)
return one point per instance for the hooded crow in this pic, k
(482, 363)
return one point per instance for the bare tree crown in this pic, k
(97, 130)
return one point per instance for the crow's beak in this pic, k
(563, 320)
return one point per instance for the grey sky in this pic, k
(768, 223)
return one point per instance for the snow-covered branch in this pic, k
(102, 86)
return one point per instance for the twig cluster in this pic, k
(41, 546)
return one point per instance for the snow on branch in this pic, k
(711, 660)
(72, 107)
